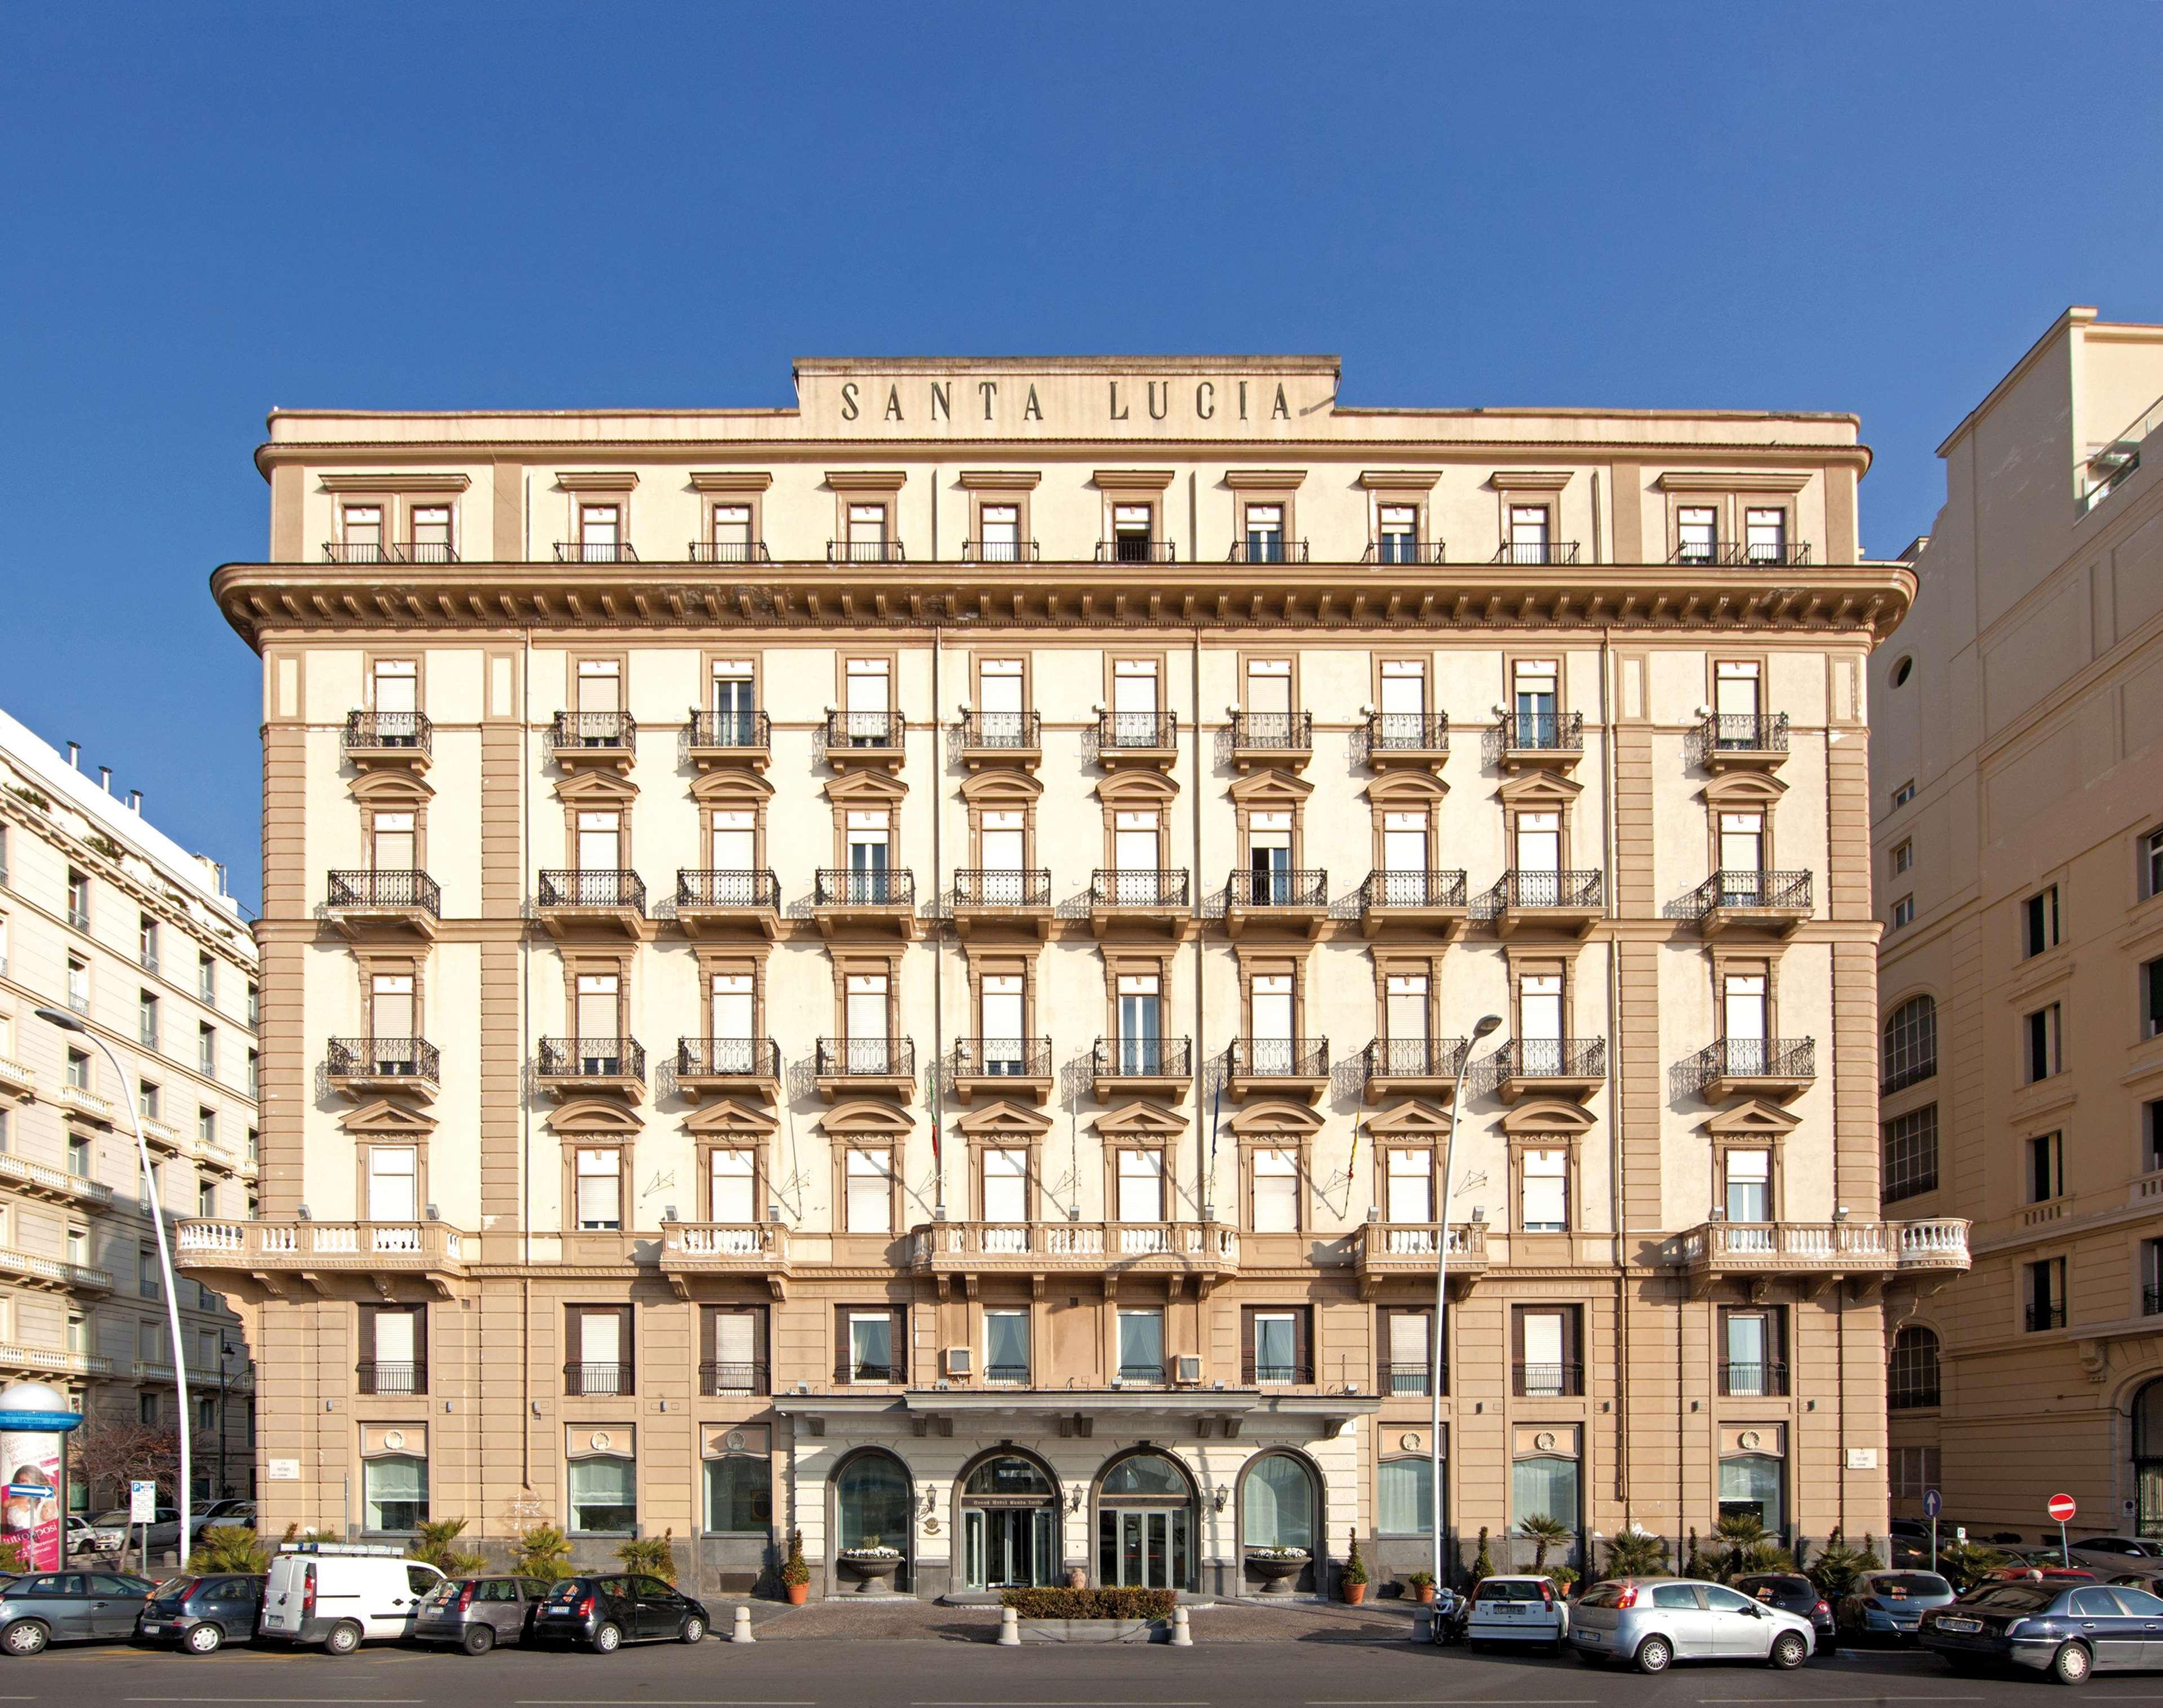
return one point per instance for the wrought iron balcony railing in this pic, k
(998, 887)
(717, 1379)
(846, 887)
(1399, 1378)
(1120, 731)
(1278, 1058)
(592, 1058)
(720, 886)
(865, 552)
(608, 731)
(1543, 732)
(356, 552)
(1142, 887)
(1143, 1058)
(1546, 1381)
(878, 730)
(1282, 887)
(376, 1376)
(749, 731)
(1416, 1058)
(1408, 732)
(595, 552)
(999, 551)
(1002, 1058)
(1702, 553)
(1549, 889)
(999, 730)
(1767, 554)
(871, 1058)
(591, 1380)
(1403, 549)
(600, 887)
(1291, 733)
(1561, 552)
(1133, 548)
(427, 551)
(388, 731)
(1743, 732)
(1755, 1058)
(1267, 548)
(1551, 1058)
(1275, 1373)
(729, 551)
(727, 1058)
(1778, 892)
(1752, 1379)
(384, 1058)
(386, 890)
(2045, 1316)
(1436, 888)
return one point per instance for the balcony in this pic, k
(1000, 552)
(1267, 548)
(881, 900)
(362, 1067)
(375, 902)
(571, 1066)
(1136, 548)
(1781, 1069)
(1272, 741)
(1764, 902)
(273, 1256)
(1401, 1251)
(993, 896)
(17, 1080)
(1137, 738)
(1742, 742)
(727, 552)
(1000, 738)
(597, 739)
(1766, 554)
(1403, 549)
(49, 1361)
(595, 552)
(1569, 903)
(41, 1180)
(1432, 901)
(1417, 739)
(1554, 1067)
(382, 1379)
(1279, 897)
(399, 552)
(865, 552)
(870, 740)
(1147, 898)
(728, 741)
(1418, 1067)
(1546, 1381)
(1002, 1067)
(1754, 1379)
(1289, 1067)
(2041, 1318)
(1174, 1252)
(696, 1250)
(721, 1066)
(1545, 740)
(1826, 1250)
(1140, 1067)
(573, 902)
(717, 1381)
(711, 902)
(385, 741)
(52, 1274)
(863, 1066)
(81, 1100)
(615, 1380)
(1401, 1381)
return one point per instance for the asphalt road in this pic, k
(1318, 1672)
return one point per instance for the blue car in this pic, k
(1889, 1606)
(2066, 1630)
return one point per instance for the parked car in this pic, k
(1890, 1605)
(1791, 1592)
(2151, 1581)
(2115, 1553)
(477, 1613)
(2067, 1630)
(47, 1607)
(1653, 1622)
(202, 1614)
(240, 1514)
(2041, 1573)
(606, 1612)
(339, 1593)
(164, 1529)
(1516, 1610)
(84, 1537)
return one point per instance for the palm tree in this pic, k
(1636, 1553)
(1749, 1548)
(1546, 1533)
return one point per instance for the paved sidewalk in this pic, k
(846, 1619)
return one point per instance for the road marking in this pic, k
(1902, 1698)
(384, 1701)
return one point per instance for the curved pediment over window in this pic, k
(1000, 785)
(1275, 1117)
(865, 1118)
(394, 790)
(593, 1117)
(731, 787)
(1136, 790)
(1743, 791)
(1550, 1116)
(1407, 791)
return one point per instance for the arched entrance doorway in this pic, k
(1148, 1518)
(1009, 1524)
(2148, 1461)
(1279, 1511)
(874, 1508)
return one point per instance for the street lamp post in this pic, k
(226, 1349)
(68, 1023)
(1486, 1023)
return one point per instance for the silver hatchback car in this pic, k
(1652, 1623)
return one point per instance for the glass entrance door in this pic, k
(1145, 1548)
(1009, 1547)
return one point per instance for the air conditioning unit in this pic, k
(1190, 1368)
(957, 1360)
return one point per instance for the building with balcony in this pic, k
(105, 918)
(2017, 809)
(1080, 925)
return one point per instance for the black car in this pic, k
(202, 1614)
(613, 1608)
(1793, 1593)
(2068, 1630)
(477, 1613)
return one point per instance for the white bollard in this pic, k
(1009, 1628)
(742, 1633)
(1182, 1637)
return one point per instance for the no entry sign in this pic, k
(2062, 1509)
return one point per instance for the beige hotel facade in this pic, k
(2018, 841)
(905, 969)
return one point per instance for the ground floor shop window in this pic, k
(1405, 1498)
(739, 1495)
(2148, 1459)
(1278, 1507)
(1749, 1487)
(874, 1505)
(394, 1492)
(1544, 1487)
(604, 1496)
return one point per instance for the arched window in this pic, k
(1911, 1043)
(1008, 1475)
(874, 1501)
(1277, 1505)
(1913, 1378)
(1149, 1475)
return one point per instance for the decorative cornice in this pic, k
(1263, 480)
(389, 480)
(1131, 480)
(867, 480)
(597, 479)
(1529, 479)
(1400, 479)
(730, 479)
(1736, 480)
(999, 480)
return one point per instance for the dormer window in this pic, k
(1697, 534)
(1765, 536)
(431, 526)
(360, 530)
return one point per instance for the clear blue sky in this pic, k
(206, 210)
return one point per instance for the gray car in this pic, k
(48, 1607)
(1652, 1623)
(479, 1613)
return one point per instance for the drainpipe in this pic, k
(525, 1019)
(938, 926)
(1609, 711)
(1205, 1185)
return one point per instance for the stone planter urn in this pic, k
(1277, 1571)
(872, 1572)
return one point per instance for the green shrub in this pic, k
(1561, 1577)
(653, 1555)
(1355, 1568)
(543, 1552)
(793, 1569)
(13, 1558)
(1838, 1566)
(1634, 1554)
(1483, 1563)
(229, 1548)
(1419, 1581)
(1546, 1533)
(438, 1546)
(1966, 1564)
(1090, 1604)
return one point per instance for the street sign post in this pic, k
(2062, 1509)
(143, 1510)
(1933, 1504)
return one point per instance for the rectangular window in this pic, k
(79, 1156)
(1265, 536)
(2041, 1043)
(1001, 525)
(601, 1348)
(873, 1339)
(1911, 1153)
(1903, 858)
(431, 524)
(867, 532)
(1134, 530)
(1410, 1191)
(146, 1020)
(1545, 1351)
(2038, 922)
(599, 1189)
(600, 530)
(1006, 1346)
(2151, 864)
(1000, 714)
(206, 1125)
(870, 1190)
(1765, 536)
(149, 1283)
(2045, 1287)
(2151, 999)
(393, 1183)
(868, 701)
(1915, 1471)
(1697, 534)
(206, 1050)
(1749, 1185)
(1006, 1185)
(732, 1187)
(1141, 1186)
(740, 1495)
(2047, 1168)
(1901, 795)
(1274, 1345)
(207, 978)
(252, 1077)
(78, 985)
(1405, 1010)
(1408, 1351)
(1546, 1187)
(735, 1354)
(1276, 1191)
(1904, 912)
(1528, 533)
(2151, 1134)
(1141, 1023)
(360, 527)
(1141, 1346)
(78, 1070)
(732, 540)
(78, 900)
(1753, 1356)
(393, 1349)
(1397, 534)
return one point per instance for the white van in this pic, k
(337, 1594)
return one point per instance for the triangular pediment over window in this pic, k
(385, 1119)
(1536, 790)
(730, 1119)
(599, 791)
(1268, 788)
(1005, 1119)
(867, 790)
(1410, 1119)
(1140, 1119)
(1755, 1118)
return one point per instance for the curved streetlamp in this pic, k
(1486, 1023)
(68, 1023)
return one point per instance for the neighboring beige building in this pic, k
(2019, 843)
(104, 915)
(822, 962)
